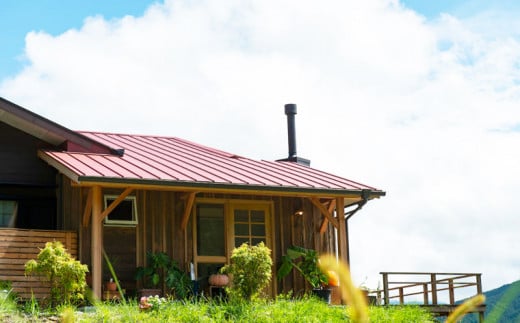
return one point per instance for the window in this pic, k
(250, 226)
(210, 228)
(221, 225)
(125, 214)
(8, 213)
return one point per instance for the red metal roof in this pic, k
(174, 161)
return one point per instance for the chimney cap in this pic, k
(290, 108)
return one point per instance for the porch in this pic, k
(17, 246)
(434, 291)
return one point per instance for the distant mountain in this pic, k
(502, 305)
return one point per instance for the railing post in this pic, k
(425, 293)
(385, 289)
(479, 284)
(451, 291)
(401, 295)
(434, 289)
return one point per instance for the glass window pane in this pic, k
(257, 229)
(256, 241)
(241, 229)
(210, 230)
(8, 211)
(241, 216)
(239, 241)
(257, 216)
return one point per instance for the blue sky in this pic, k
(422, 105)
(18, 17)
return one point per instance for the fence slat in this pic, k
(17, 246)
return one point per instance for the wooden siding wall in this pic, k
(302, 230)
(159, 229)
(17, 246)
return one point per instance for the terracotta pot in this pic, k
(218, 280)
(111, 286)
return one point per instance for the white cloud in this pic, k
(422, 109)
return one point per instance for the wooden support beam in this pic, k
(325, 221)
(328, 215)
(342, 231)
(88, 209)
(187, 210)
(96, 242)
(115, 203)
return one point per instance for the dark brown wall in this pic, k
(19, 163)
(27, 179)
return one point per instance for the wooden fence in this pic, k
(426, 289)
(17, 246)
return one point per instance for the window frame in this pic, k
(229, 234)
(14, 214)
(121, 223)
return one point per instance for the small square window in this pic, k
(8, 212)
(125, 214)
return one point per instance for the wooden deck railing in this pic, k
(17, 246)
(426, 289)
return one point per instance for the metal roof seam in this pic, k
(221, 161)
(280, 172)
(175, 163)
(69, 164)
(318, 175)
(179, 157)
(130, 155)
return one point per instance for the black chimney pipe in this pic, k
(290, 111)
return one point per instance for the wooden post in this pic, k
(401, 295)
(385, 289)
(434, 289)
(478, 279)
(451, 291)
(342, 231)
(479, 283)
(425, 293)
(96, 241)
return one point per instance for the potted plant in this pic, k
(157, 263)
(306, 261)
(178, 281)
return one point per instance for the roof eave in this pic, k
(47, 130)
(228, 187)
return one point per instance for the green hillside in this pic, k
(502, 305)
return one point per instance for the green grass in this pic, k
(281, 310)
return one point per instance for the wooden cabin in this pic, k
(130, 194)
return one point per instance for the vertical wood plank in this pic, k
(342, 231)
(96, 241)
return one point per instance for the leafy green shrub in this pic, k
(65, 274)
(306, 262)
(250, 270)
